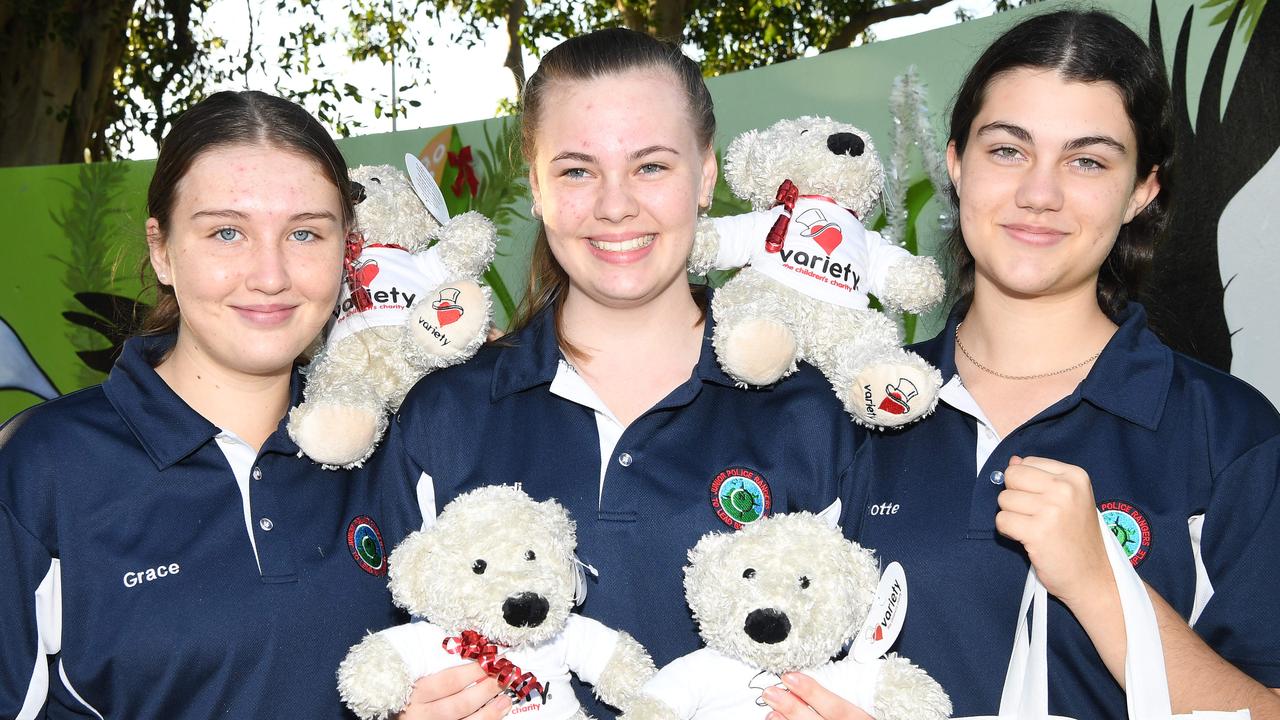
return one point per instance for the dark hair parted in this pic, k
(1086, 47)
(232, 118)
(587, 57)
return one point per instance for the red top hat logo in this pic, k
(897, 399)
(824, 232)
(446, 306)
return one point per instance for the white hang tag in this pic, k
(425, 186)
(884, 621)
(831, 515)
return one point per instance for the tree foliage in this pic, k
(95, 74)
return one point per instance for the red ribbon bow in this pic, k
(359, 293)
(788, 193)
(471, 645)
(466, 172)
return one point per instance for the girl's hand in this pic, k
(454, 694)
(807, 700)
(1048, 506)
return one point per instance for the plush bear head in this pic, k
(391, 213)
(785, 593)
(818, 154)
(496, 562)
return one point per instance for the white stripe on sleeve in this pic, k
(1204, 587)
(48, 639)
(62, 673)
(426, 491)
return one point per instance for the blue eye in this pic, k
(651, 168)
(227, 234)
(302, 235)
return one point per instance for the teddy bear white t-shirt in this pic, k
(583, 647)
(395, 279)
(711, 686)
(826, 253)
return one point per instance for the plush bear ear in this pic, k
(747, 163)
(409, 569)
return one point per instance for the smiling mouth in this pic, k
(636, 243)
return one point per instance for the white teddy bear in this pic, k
(405, 310)
(786, 593)
(811, 263)
(495, 579)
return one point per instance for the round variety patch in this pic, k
(1130, 527)
(365, 541)
(740, 496)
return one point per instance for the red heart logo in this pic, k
(366, 272)
(893, 405)
(448, 314)
(828, 237)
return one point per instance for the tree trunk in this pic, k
(859, 22)
(56, 77)
(667, 19)
(515, 57)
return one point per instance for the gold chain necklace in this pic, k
(984, 368)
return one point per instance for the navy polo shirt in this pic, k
(1171, 446)
(129, 564)
(494, 420)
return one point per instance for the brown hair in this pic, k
(231, 118)
(587, 57)
(1088, 47)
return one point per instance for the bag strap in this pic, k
(1026, 686)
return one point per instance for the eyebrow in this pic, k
(237, 215)
(1077, 144)
(636, 155)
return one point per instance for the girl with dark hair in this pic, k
(1061, 404)
(169, 555)
(607, 395)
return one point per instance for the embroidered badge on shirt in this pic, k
(1130, 527)
(365, 541)
(740, 496)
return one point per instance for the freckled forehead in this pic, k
(615, 113)
(256, 179)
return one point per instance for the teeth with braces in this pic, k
(633, 244)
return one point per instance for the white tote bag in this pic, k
(1026, 684)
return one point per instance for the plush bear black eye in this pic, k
(749, 573)
(804, 582)
(529, 555)
(478, 567)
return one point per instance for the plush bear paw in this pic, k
(758, 351)
(336, 435)
(451, 321)
(905, 692)
(892, 392)
(373, 680)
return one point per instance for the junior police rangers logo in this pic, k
(740, 496)
(1130, 527)
(365, 541)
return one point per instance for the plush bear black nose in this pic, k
(767, 626)
(525, 610)
(845, 144)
